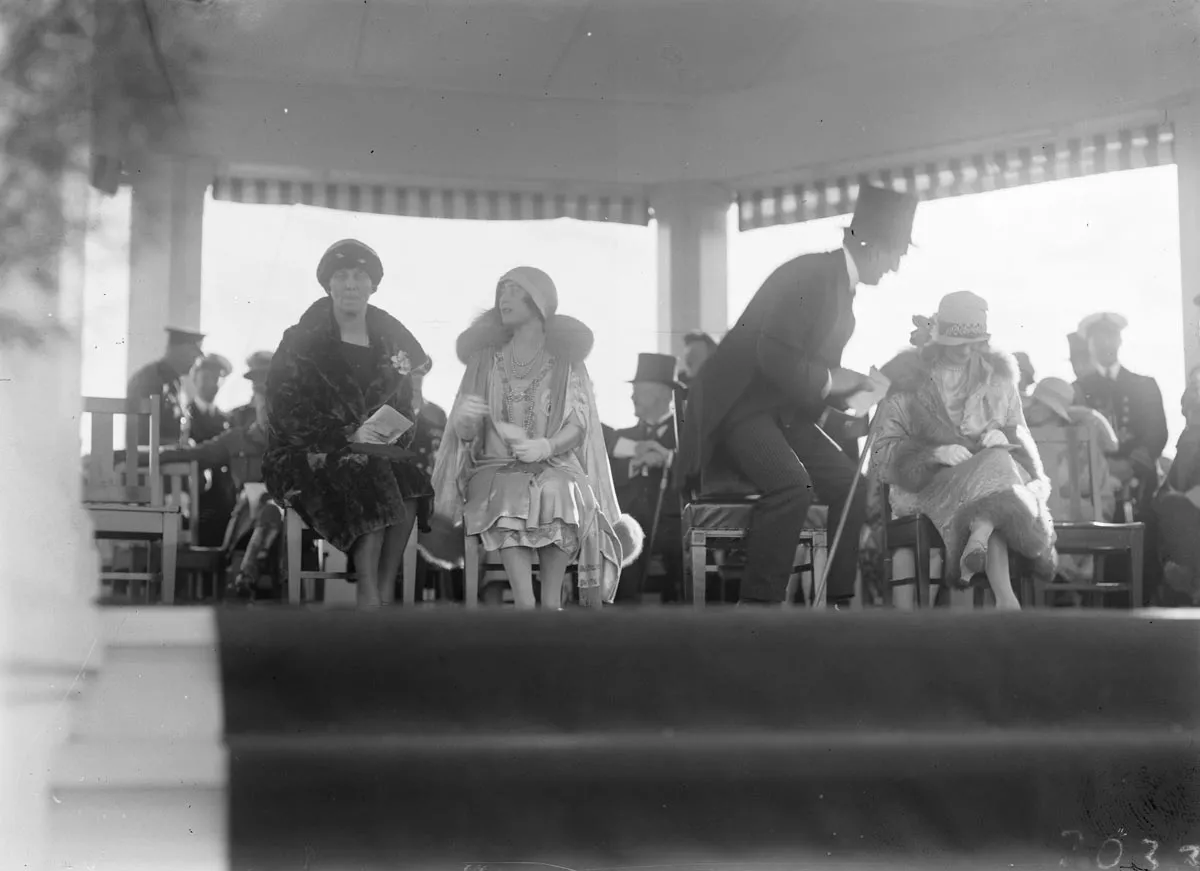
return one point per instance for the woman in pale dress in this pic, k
(523, 464)
(952, 444)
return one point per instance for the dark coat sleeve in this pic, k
(214, 452)
(296, 416)
(787, 342)
(1151, 418)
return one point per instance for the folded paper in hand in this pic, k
(510, 432)
(863, 401)
(383, 427)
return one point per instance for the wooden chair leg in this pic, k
(293, 540)
(921, 557)
(409, 590)
(471, 572)
(1136, 555)
(170, 553)
(698, 546)
(820, 559)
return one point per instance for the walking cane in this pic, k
(648, 549)
(819, 589)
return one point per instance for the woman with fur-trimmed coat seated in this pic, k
(953, 445)
(523, 464)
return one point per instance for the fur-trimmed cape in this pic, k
(568, 340)
(913, 423)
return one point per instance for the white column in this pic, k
(1187, 156)
(693, 262)
(165, 242)
(48, 625)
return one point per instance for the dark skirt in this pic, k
(344, 496)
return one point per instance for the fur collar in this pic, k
(566, 337)
(317, 323)
(909, 372)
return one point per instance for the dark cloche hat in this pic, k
(349, 252)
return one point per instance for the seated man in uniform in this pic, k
(241, 449)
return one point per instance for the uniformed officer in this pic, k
(163, 377)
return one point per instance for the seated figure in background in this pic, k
(240, 449)
(1177, 511)
(955, 447)
(1051, 410)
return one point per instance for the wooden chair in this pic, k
(195, 563)
(718, 517)
(917, 533)
(1081, 533)
(477, 564)
(128, 505)
(722, 524)
(301, 582)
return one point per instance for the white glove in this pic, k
(951, 455)
(533, 450)
(467, 414)
(993, 438)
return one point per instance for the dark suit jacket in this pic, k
(777, 356)
(158, 378)
(1133, 405)
(206, 424)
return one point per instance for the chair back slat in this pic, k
(184, 478)
(115, 477)
(101, 465)
(1074, 473)
(1068, 448)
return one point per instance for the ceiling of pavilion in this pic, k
(645, 91)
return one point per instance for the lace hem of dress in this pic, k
(556, 533)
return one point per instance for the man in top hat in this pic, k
(163, 377)
(1133, 405)
(755, 405)
(640, 457)
(205, 420)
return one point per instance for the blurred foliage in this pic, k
(87, 87)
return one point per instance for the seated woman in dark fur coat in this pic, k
(340, 364)
(953, 445)
(523, 464)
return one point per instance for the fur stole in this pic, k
(907, 453)
(566, 338)
(909, 371)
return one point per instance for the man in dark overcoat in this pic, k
(754, 406)
(639, 457)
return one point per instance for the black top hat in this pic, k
(658, 368)
(883, 216)
(177, 336)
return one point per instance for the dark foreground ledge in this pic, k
(623, 739)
